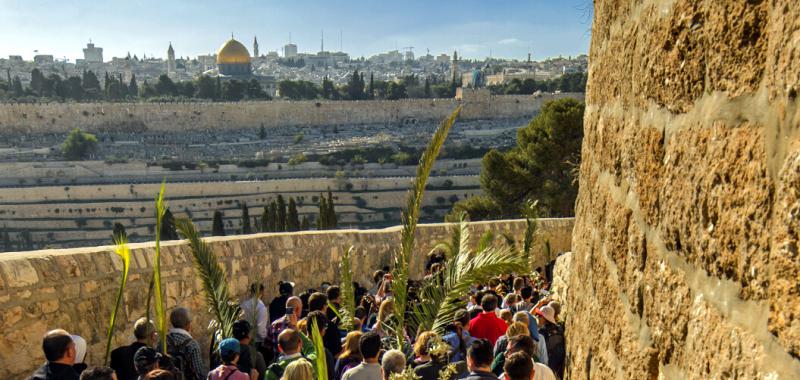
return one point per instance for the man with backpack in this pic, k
(184, 350)
(293, 345)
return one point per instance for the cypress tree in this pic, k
(265, 222)
(217, 226)
(322, 217)
(371, 94)
(292, 219)
(273, 216)
(427, 88)
(168, 231)
(7, 246)
(331, 212)
(305, 225)
(256, 226)
(246, 228)
(133, 87)
(281, 223)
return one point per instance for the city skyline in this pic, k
(41, 27)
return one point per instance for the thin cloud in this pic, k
(509, 41)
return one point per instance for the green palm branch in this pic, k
(215, 286)
(124, 252)
(320, 361)
(531, 215)
(161, 312)
(443, 295)
(410, 217)
(348, 307)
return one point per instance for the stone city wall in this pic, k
(685, 250)
(75, 289)
(175, 117)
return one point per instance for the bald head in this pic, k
(296, 304)
(58, 347)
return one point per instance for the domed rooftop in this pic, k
(232, 52)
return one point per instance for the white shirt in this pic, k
(540, 372)
(259, 318)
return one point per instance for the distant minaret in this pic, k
(255, 46)
(454, 69)
(170, 60)
(321, 40)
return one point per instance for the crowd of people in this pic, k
(510, 329)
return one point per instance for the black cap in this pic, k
(145, 356)
(285, 287)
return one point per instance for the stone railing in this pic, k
(74, 289)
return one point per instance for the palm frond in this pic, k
(161, 312)
(320, 362)
(410, 217)
(442, 295)
(218, 298)
(348, 293)
(531, 216)
(486, 240)
(124, 252)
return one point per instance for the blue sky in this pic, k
(507, 28)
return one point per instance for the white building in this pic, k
(290, 51)
(92, 53)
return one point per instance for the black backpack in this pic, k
(180, 359)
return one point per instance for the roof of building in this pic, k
(232, 52)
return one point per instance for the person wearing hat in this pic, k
(457, 336)
(229, 350)
(554, 337)
(145, 360)
(277, 308)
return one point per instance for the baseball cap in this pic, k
(145, 356)
(548, 313)
(229, 346)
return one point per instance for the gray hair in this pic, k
(180, 318)
(143, 328)
(394, 361)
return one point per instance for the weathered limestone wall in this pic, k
(75, 288)
(685, 256)
(175, 117)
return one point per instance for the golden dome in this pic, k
(232, 52)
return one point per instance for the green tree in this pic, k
(7, 245)
(16, 87)
(262, 132)
(233, 90)
(91, 85)
(322, 215)
(206, 87)
(540, 167)
(255, 91)
(292, 218)
(78, 145)
(355, 86)
(265, 222)
(396, 91)
(168, 230)
(133, 87)
(37, 81)
(273, 216)
(427, 88)
(331, 212)
(217, 225)
(165, 86)
(328, 89)
(305, 225)
(371, 88)
(246, 228)
(281, 208)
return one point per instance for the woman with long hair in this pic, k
(350, 356)
(299, 369)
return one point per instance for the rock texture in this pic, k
(75, 289)
(685, 250)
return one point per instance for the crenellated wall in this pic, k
(685, 259)
(176, 117)
(75, 289)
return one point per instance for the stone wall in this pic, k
(685, 256)
(75, 288)
(175, 117)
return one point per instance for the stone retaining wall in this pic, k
(75, 288)
(685, 258)
(176, 117)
